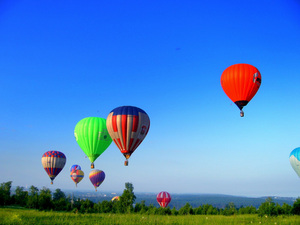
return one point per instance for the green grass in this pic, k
(26, 216)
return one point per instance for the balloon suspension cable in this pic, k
(92, 166)
(242, 113)
(126, 162)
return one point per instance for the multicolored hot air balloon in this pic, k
(128, 126)
(92, 137)
(163, 199)
(77, 176)
(295, 160)
(53, 162)
(240, 82)
(97, 177)
(74, 168)
(116, 198)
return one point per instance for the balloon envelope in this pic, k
(74, 168)
(163, 199)
(240, 82)
(116, 198)
(97, 177)
(295, 160)
(128, 126)
(77, 176)
(53, 162)
(92, 137)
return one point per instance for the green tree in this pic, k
(127, 199)
(21, 196)
(267, 208)
(287, 209)
(208, 209)
(151, 209)
(141, 207)
(278, 209)
(60, 202)
(105, 206)
(230, 209)
(33, 197)
(296, 207)
(247, 210)
(45, 199)
(198, 210)
(58, 194)
(87, 206)
(174, 211)
(186, 210)
(5, 198)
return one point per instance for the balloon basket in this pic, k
(242, 113)
(126, 163)
(92, 166)
(51, 182)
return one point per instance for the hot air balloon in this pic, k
(53, 162)
(163, 199)
(116, 198)
(92, 137)
(295, 160)
(74, 168)
(240, 82)
(77, 176)
(97, 177)
(127, 126)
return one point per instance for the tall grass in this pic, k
(26, 216)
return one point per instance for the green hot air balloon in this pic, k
(92, 136)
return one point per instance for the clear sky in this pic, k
(62, 61)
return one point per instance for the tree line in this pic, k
(45, 200)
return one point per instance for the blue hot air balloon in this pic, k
(295, 160)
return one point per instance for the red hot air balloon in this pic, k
(53, 162)
(240, 82)
(127, 126)
(163, 199)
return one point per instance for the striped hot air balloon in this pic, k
(240, 82)
(163, 199)
(77, 176)
(53, 162)
(128, 126)
(97, 177)
(295, 160)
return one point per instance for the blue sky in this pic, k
(61, 61)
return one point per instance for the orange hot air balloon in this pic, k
(240, 82)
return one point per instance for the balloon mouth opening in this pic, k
(127, 155)
(241, 104)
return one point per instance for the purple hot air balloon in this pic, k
(97, 177)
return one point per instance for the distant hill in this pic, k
(195, 200)
(216, 200)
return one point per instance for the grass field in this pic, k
(27, 216)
